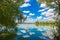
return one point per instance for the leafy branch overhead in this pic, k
(51, 3)
(9, 11)
(54, 4)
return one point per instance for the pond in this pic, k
(33, 32)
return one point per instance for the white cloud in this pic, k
(43, 13)
(26, 36)
(30, 20)
(40, 29)
(47, 14)
(26, 11)
(31, 14)
(43, 37)
(28, 16)
(25, 15)
(25, 5)
(43, 5)
(50, 15)
(39, 17)
(31, 33)
(19, 33)
(49, 19)
(50, 10)
(23, 31)
(41, 10)
(26, 0)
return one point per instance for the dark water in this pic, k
(32, 32)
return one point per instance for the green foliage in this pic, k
(7, 36)
(8, 14)
(21, 17)
(36, 23)
(56, 4)
(45, 23)
(58, 24)
(9, 11)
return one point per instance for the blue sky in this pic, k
(35, 11)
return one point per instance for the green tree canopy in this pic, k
(9, 11)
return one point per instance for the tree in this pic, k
(9, 11)
(37, 23)
(21, 18)
(54, 4)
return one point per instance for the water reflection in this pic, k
(27, 32)
(32, 32)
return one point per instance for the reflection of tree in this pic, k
(7, 37)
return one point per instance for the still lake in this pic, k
(33, 32)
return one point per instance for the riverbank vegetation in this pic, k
(44, 23)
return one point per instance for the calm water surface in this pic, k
(33, 32)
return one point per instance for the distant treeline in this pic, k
(44, 23)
